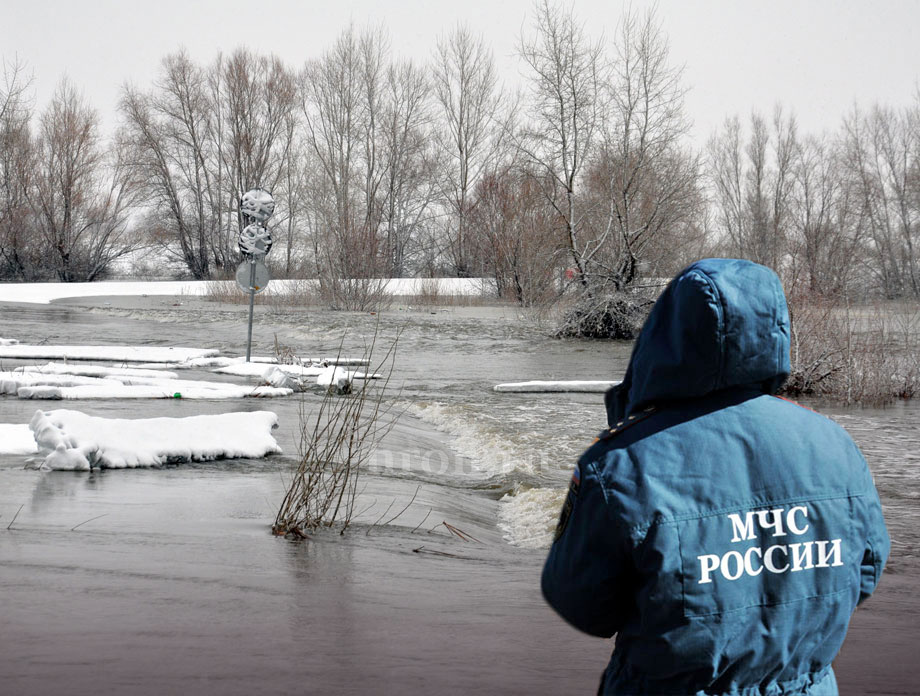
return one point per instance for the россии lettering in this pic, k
(786, 556)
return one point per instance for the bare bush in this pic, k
(866, 354)
(335, 444)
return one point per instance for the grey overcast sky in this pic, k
(817, 57)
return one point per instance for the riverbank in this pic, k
(179, 587)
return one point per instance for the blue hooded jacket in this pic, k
(723, 534)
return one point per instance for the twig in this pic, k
(422, 522)
(380, 518)
(15, 516)
(367, 508)
(405, 508)
(89, 520)
(460, 533)
(422, 549)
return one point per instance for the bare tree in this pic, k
(519, 234)
(752, 185)
(882, 156)
(18, 245)
(343, 101)
(82, 210)
(173, 150)
(826, 243)
(257, 104)
(467, 95)
(649, 180)
(566, 108)
(409, 188)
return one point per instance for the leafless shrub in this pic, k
(335, 444)
(355, 294)
(866, 354)
(617, 315)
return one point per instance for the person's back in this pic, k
(725, 535)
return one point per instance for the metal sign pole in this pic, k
(256, 206)
(252, 299)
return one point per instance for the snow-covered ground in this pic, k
(72, 440)
(44, 293)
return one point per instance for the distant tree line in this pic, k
(584, 182)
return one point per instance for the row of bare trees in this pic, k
(837, 214)
(585, 181)
(65, 199)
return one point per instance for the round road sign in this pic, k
(252, 276)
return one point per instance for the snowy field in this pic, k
(44, 293)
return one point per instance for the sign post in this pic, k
(256, 206)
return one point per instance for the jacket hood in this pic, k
(720, 323)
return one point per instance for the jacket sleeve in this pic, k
(878, 544)
(585, 572)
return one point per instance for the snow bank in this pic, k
(8, 341)
(16, 439)
(44, 293)
(585, 386)
(136, 354)
(75, 441)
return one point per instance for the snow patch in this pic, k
(74, 441)
(16, 439)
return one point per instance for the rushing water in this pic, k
(179, 565)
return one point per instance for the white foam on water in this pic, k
(486, 446)
(528, 518)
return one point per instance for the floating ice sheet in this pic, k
(170, 389)
(72, 440)
(136, 354)
(96, 371)
(586, 386)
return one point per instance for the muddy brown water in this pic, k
(177, 587)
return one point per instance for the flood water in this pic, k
(177, 585)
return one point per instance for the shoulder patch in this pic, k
(625, 423)
(569, 505)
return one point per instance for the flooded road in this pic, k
(168, 581)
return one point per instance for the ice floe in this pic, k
(584, 386)
(122, 354)
(76, 441)
(95, 371)
(170, 390)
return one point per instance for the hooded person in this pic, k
(724, 535)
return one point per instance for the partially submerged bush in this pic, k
(618, 316)
(334, 445)
(867, 354)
